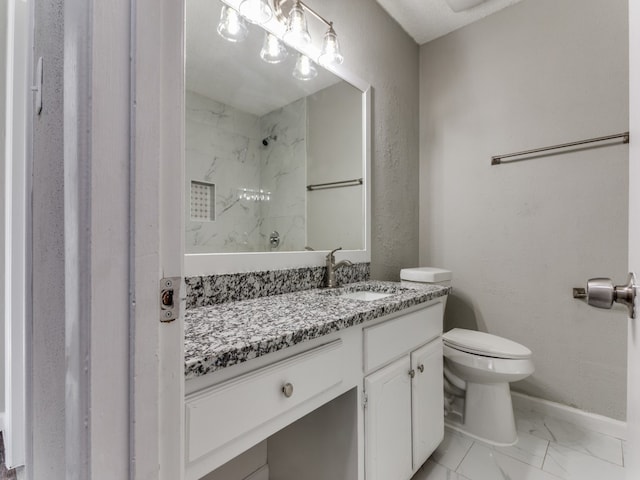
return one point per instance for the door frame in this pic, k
(16, 229)
(158, 241)
(123, 97)
(632, 462)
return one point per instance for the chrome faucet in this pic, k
(332, 266)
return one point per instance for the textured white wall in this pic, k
(381, 53)
(519, 236)
(48, 337)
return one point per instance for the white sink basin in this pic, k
(365, 295)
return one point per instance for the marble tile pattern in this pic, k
(548, 449)
(226, 334)
(214, 289)
(283, 171)
(224, 147)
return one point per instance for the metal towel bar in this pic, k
(497, 160)
(343, 183)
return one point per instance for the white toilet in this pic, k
(478, 368)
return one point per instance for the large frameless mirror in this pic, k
(276, 149)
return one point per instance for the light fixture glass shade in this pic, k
(232, 26)
(330, 49)
(297, 32)
(256, 11)
(273, 51)
(304, 69)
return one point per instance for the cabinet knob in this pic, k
(421, 368)
(412, 373)
(287, 389)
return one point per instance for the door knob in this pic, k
(601, 293)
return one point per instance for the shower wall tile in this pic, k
(283, 171)
(224, 146)
(214, 289)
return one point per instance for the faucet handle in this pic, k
(330, 255)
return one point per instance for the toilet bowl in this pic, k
(478, 368)
(481, 366)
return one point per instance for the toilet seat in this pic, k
(484, 344)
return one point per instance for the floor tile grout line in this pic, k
(583, 429)
(546, 452)
(582, 452)
(465, 455)
(547, 458)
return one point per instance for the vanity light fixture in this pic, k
(297, 33)
(291, 13)
(256, 11)
(273, 51)
(330, 48)
(304, 69)
(232, 26)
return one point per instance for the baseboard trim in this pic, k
(261, 474)
(591, 421)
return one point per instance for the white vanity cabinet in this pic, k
(427, 424)
(227, 418)
(391, 365)
(387, 422)
(403, 418)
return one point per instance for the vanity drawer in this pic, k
(226, 411)
(393, 338)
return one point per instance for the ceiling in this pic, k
(426, 20)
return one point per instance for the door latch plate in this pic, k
(169, 299)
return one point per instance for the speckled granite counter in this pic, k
(222, 335)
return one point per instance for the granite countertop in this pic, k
(222, 335)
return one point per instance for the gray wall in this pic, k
(381, 53)
(519, 236)
(48, 336)
(334, 153)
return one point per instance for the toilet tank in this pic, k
(437, 276)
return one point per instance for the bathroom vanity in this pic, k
(343, 383)
(257, 366)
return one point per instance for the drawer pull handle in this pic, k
(287, 389)
(412, 373)
(421, 368)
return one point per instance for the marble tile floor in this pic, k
(547, 449)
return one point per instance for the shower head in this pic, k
(266, 140)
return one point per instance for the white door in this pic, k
(633, 353)
(387, 422)
(426, 398)
(16, 19)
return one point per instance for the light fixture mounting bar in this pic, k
(282, 10)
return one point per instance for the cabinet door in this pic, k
(427, 401)
(388, 422)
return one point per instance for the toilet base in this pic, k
(488, 414)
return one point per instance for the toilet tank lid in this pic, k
(425, 274)
(484, 344)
